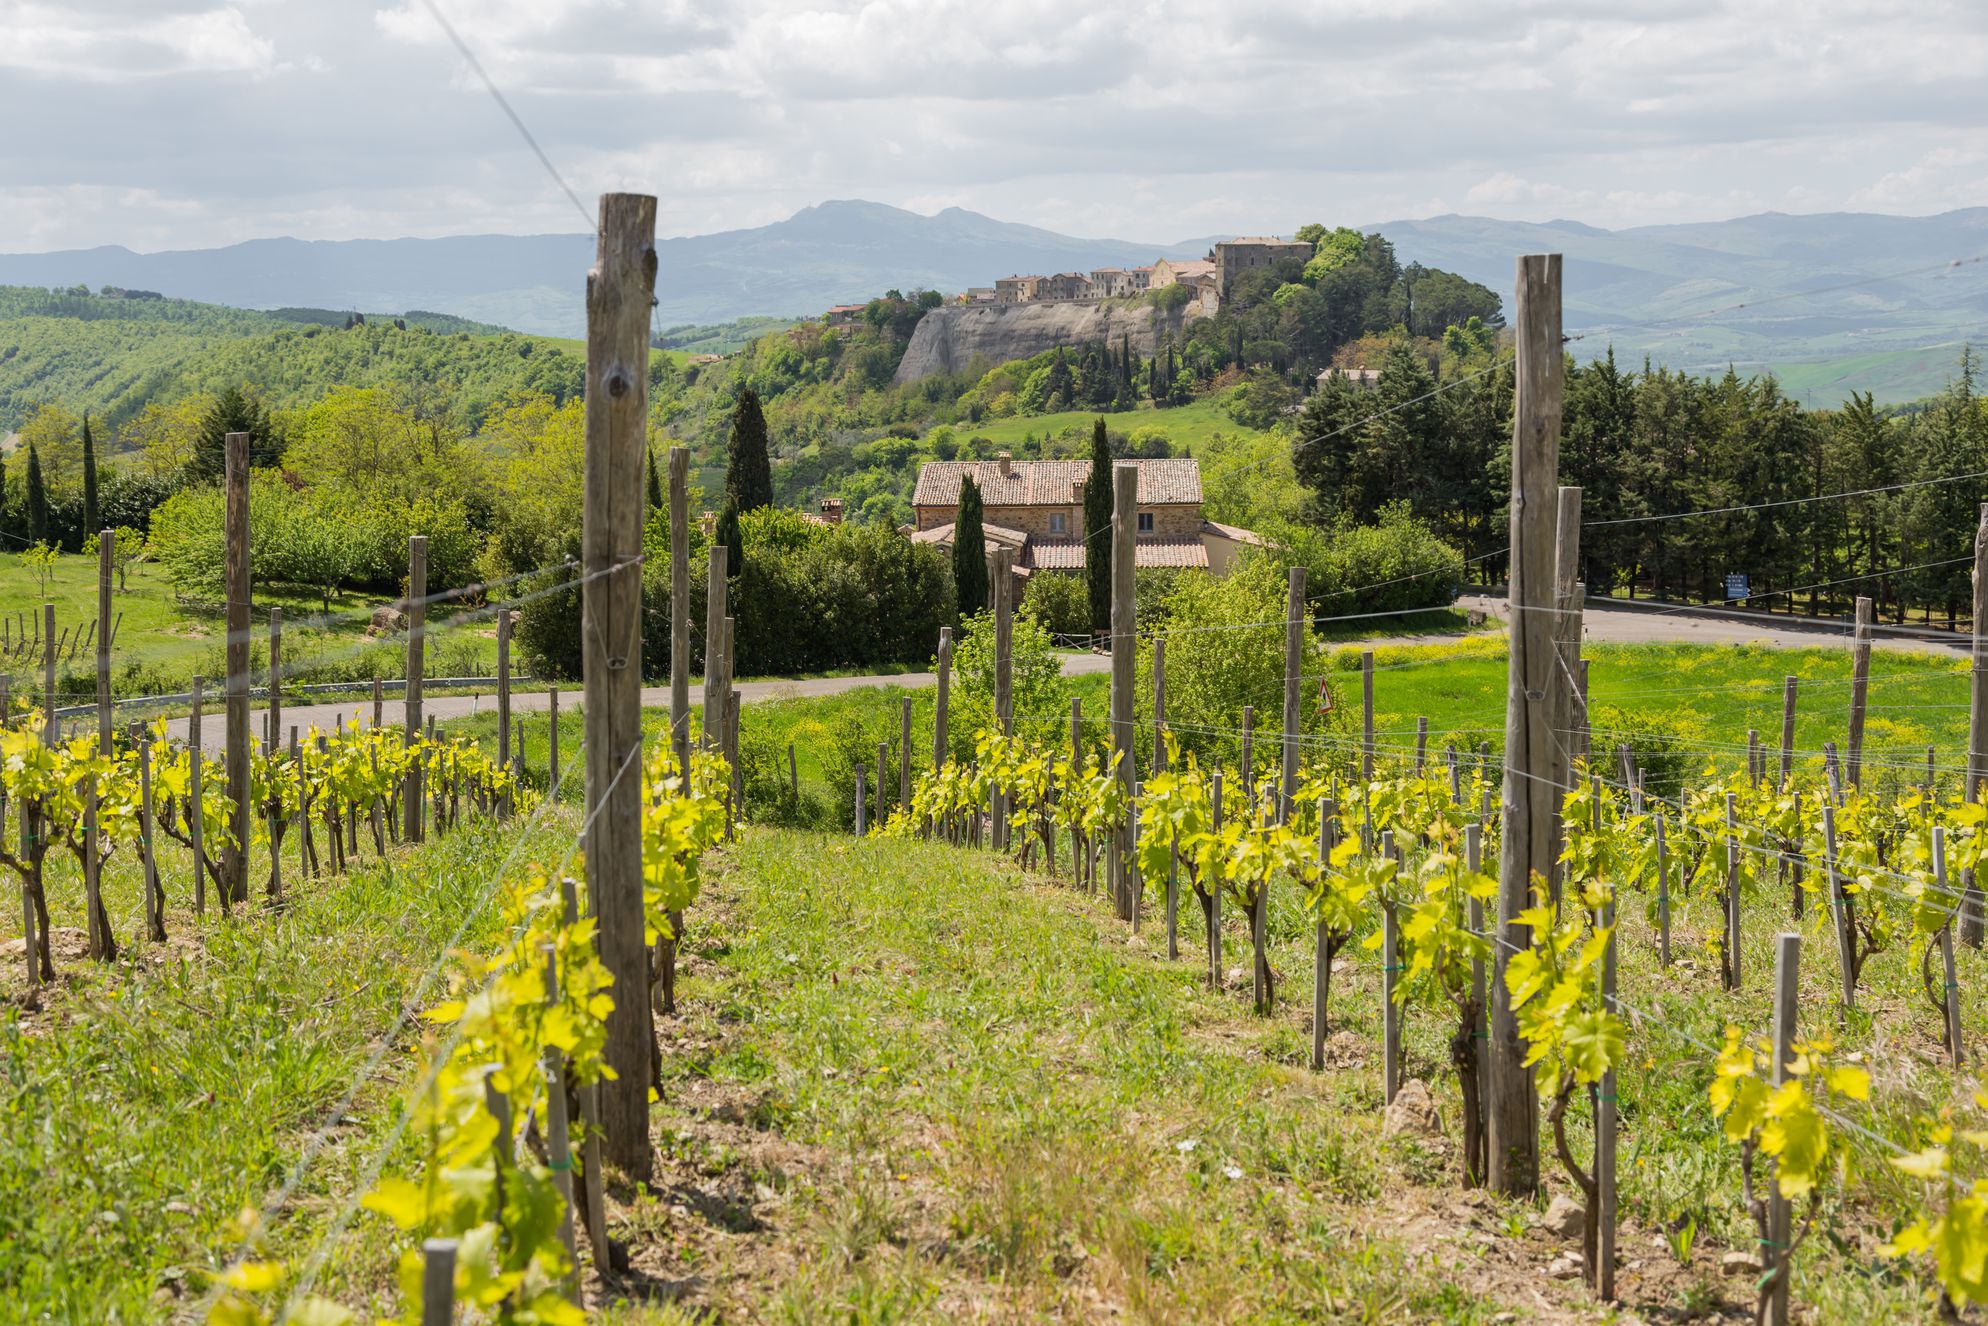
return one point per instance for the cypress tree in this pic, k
(729, 534)
(37, 498)
(749, 476)
(969, 550)
(1097, 528)
(655, 483)
(90, 526)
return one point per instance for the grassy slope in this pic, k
(158, 1097)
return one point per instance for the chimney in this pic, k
(831, 510)
(1006, 464)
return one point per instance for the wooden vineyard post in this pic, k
(714, 642)
(417, 618)
(1950, 995)
(558, 1136)
(196, 769)
(1248, 770)
(1322, 939)
(1565, 687)
(1390, 977)
(1367, 718)
(1160, 766)
(1756, 761)
(1787, 979)
(438, 1282)
(679, 467)
(883, 766)
(1475, 1148)
(1214, 887)
(732, 736)
(1860, 685)
(1789, 687)
(103, 944)
(273, 748)
(1663, 897)
(379, 704)
(904, 755)
(620, 290)
(552, 743)
(155, 921)
(1972, 921)
(1529, 800)
(233, 883)
(504, 701)
(942, 714)
(1004, 678)
(1732, 898)
(1421, 743)
(793, 774)
(1602, 1273)
(1124, 658)
(859, 801)
(1840, 913)
(1294, 655)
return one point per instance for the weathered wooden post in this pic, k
(1294, 657)
(1567, 604)
(1972, 919)
(155, 920)
(1787, 979)
(1602, 1273)
(1839, 908)
(103, 943)
(1322, 937)
(379, 704)
(1004, 676)
(619, 292)
(1421, 743)
(417, 621)
(1530, 800)
(438, 1282)
(1860, 685)
(196, 762)
(680, 608)
(1951, 993)
(234, 855)
(859, 801)
(942, 713)
(714, 643)
(558, 1138)
(1124, 660)
(504, 700)
(1476, 1146)
(904, 754)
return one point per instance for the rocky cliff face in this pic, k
(948, 339)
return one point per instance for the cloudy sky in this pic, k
(186, 123)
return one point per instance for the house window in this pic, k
(1058, 523)
(1145, 522)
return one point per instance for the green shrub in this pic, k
(1035, 675)
(1396, 564)
(1664, 740)
(1059, 602)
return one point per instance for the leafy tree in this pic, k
(53, 431)
(89, 479)
(235, 410)
(1097, 528)
(1062, 603)
(37, 494)
(749, 476)
(969, 551)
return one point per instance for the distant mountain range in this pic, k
(1795, 294)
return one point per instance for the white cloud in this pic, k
(1144, 119)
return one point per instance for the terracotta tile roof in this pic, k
(1235, 533)
(1069, 555)
(1051, 482)
(942, 535)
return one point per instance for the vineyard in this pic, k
(1577, 1010)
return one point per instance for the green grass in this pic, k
(157, 1097)
(1188, 427)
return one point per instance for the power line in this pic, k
(1790, 501)
(504, 105)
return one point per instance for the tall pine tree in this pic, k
(235, 410)
(1097, 528)
(655, 483)
(37, 498)
(90, 526)
(749, 476)
(969, 550)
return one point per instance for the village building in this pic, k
(1016, 289)
(1119, 282)
(1359, 377)
(1234, 257)
(1036, 510)
(978, 294)
(845, 315)
(1063, 287)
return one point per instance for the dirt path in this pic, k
(1614, 624)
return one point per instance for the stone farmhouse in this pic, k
(1035, 509)
(1212, 279)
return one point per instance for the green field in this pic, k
(1187, 427)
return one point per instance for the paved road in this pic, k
(360, 709)
(1609, 624)
(1600, 622)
